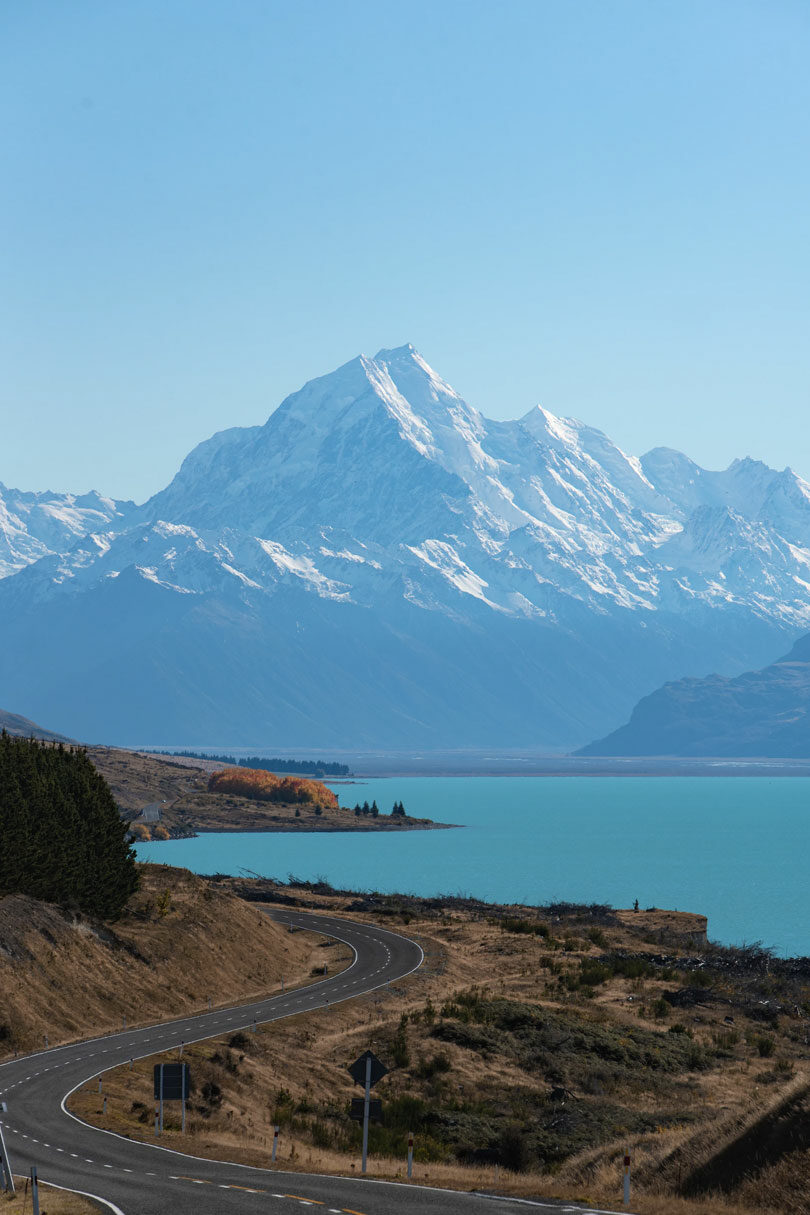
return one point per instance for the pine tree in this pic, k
(61, 836)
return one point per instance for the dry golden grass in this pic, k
(51, 1201)
(180, 942)
(307, 1056)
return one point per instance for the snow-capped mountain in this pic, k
(448, 579)
(33, 525)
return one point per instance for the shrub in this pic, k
(514, 1148)
(399, 1047)
(438, 1065)
(765, 1046)
(211, 1093)
(680, 1028)
(593, 973)
(263, 786)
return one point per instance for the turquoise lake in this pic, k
(733, 848)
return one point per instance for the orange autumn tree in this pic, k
(265, 787)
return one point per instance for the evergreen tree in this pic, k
(61, 836)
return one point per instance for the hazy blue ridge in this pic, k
(759, 713)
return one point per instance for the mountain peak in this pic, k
(396, 353)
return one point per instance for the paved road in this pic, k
(144, 1179)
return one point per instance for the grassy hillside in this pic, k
(543, 1043)
(179, 942)
(22, 727)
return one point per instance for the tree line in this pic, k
(397, 811)
(306, 767)
(61, 835)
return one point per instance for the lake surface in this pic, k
(734, 849)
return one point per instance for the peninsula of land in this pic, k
(173, 798)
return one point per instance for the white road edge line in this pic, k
(105, 1202)
(189, 1042)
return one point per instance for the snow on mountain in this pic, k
(32, 525)
(374, 511)
(386, 452)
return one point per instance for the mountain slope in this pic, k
(21, 727)
(380, 564)
(759, 713)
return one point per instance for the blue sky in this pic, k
(597, 205)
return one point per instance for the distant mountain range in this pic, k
(380, 565)
(759, 713)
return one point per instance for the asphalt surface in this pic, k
(135, 1178)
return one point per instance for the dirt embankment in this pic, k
(138, 779)
(180, 942)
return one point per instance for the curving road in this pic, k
(132, 1178)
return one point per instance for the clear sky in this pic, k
(599, 205)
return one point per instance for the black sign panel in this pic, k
(374, 1109)
(173, 1081)
(357, 1071)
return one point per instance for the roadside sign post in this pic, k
(172, 1082)
(5, 1163)
(367, 1070)
(34, 1191)
(410, 1156)
(365, 1112)
(627, 1178)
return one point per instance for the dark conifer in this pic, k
(61, 836)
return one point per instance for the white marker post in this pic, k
(183, 1100)
(365, 1113)
(410, 1156)
(627, 1178)
(5, 1163)
(161, 1098)
(275, 1145)
(34, 1191)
